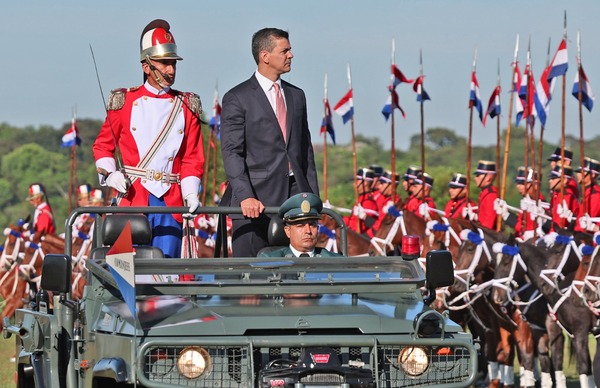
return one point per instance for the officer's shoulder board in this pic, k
(116, 100)
(193, 102)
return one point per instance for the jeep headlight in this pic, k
(413, 361)
(193, 362)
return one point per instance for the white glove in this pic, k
(117, 181)
(536, 211)
(193, 202)
(469, 212)
(424, 210)
(501, 208)
(326, 204)
(527, 204)
(563, 211)
(586, 223)
(359, 212)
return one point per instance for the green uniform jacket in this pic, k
(287, 252)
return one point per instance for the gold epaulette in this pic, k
(116, 100)
(193, 102)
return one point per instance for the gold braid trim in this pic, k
(193, 102)
(116, 100)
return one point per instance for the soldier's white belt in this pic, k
(152, 175)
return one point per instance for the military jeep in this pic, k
(241, 322)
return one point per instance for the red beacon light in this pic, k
(411, 247)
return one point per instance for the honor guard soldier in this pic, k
(408, 178)
(365, 212)
(157, 131)
(377, 173)
(525, 223)
(301, 214)
(556, 157)
(457, 205)
(388, 198)
(587, 175)
(421, 190)
(563, 202)
(484, 179)
(83, 200)
(43, 218)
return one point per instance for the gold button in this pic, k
(157, 176)
(180, 131)
(145, 97)
(143, 181)
(133, 128)
(135, 103)
(171, 100)
(170, 159)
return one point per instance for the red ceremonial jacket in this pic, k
(486, 215)
(43, 219)
(135, 125)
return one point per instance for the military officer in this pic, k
(300, 214)
(157, 131)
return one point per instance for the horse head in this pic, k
(398, 223)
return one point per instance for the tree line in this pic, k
(30, 155)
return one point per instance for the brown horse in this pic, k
(395, 224)
(329, 238)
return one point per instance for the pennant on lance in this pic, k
(345, 107)
(587, 96)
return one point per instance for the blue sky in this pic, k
(48, 68)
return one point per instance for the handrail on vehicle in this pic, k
(222, 211)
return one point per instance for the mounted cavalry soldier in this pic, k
(43, 218)
(457, 204)
(156, 130)
(364, 213)
(485, 174)
(587, 175)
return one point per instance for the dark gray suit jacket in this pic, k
(255, 156)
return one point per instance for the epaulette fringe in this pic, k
(116, 100)
(194, 102)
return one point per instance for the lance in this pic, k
(392, 129)
(325, 113)
(538, 187)
(508, 128)
(349, 75)
(470, 135)
(73, 172)
(117, 153)
(526, 110)
(581, 149)
(562, 126)
(499, 218)
(422, 115)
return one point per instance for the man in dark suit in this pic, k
(300, 216)
(265, 142)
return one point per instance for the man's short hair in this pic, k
(263, 40)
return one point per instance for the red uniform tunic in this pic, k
(486, 215)
(43, 219)
(414, 205)
(572, 203)
(382, 202)
(525, 223)
(135, 127)
(454, 207)
(592, 205)
(370, 207)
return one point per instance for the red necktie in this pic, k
(280, 110)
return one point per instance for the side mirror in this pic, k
(439, 272)
(56, 273)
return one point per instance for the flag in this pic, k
(527, 96)
(543, 95)
(516, 78)
(392, 103)
(493, 109)
(587, 96)
(474, 97)
(71, 137)
(418, 88)
(215, 120)
(398, 77)
(345, 107)
(120, 262)
(327, 123)
(560, 62)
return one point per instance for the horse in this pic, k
(512, 287)
(358, 245)
(395, 224)
(565, 313)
